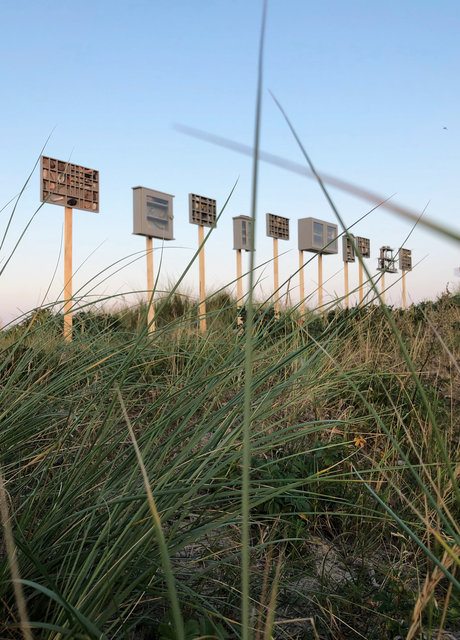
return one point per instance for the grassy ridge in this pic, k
(337, 425)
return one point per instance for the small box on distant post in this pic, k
(202, 211)
(152, 213)
(242, 233)
(317, 236)
(364, 246)
(348, 250)
(405, 259)
(277, 226)
(386, 261)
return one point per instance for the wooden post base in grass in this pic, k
(150, 302)
(276, 282)
(68, 274)
(239, 286)
(202, 305)
(361, 292)
(301, 285)
(320, 282)
(345, 270)
(404, 288)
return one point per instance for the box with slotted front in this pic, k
(68, 184)
(242, 233)
(405, 259)
(152, 213)
(317, 236)
(277, 226)
(348, 250)
(202, 211)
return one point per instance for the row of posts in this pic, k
(75, 186)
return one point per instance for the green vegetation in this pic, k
(353, 513)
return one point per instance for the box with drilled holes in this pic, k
(277, 226)
(364, 246)
(69, 184)
(202, 210)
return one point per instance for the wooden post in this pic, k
(361, 292)
(383, 287)
(302, 284)
(202, 306)
(345, 269)
(276, 277)
(320, 281)
(150, 302)
(239, 281)
(68, 274)
(404, 288)
(239, 285)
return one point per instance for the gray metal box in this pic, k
(68, 184)
(348, 251)
(386, 261)
(405, 259)
(317, 236)
(277, 226)
(364, 246)
(152, 213)
(242, 233)
(202, 211)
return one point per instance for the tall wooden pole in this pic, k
(404, 288)
(68, 274)
(239, 281)
(345, 270)
(239, 285)
(302, 284)
(150, 302)
(383, 287)
(202, 306)
(320, 281)
(361, 292)
(276, 277)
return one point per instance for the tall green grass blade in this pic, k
(247, 411)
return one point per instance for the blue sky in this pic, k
(369, 87)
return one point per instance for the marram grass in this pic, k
(344, 466)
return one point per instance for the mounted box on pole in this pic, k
(72, 186)
(203, 212)
(242, 229)
(363, 246)
(321, 237)
(153, 218)
(386, 264)
(405, 264)
(348, 255)
(277, 227)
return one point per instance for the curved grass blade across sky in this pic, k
(332, 181)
